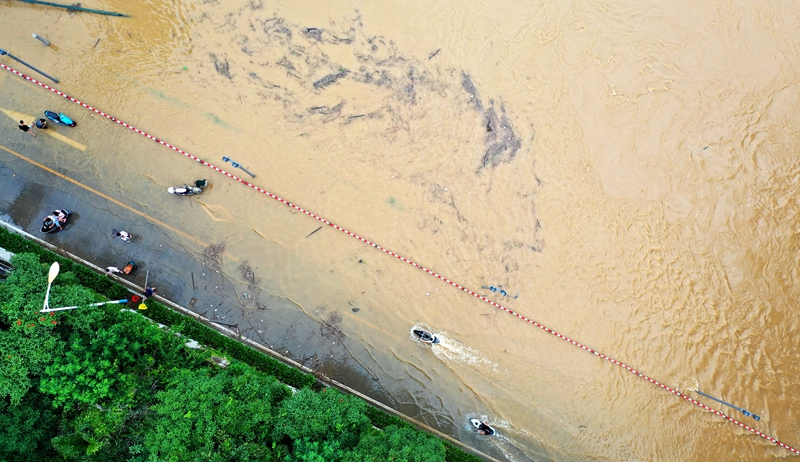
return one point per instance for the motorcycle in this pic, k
(60, 118)
(482, 427)
(187, 190)
(55, 222)
(425, 336)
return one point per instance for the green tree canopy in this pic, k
(397, 445)
(208, 415)
(113, 385)
(29, 340)
(26, 428)
(113, 364)
(327, 415)
(105, 380)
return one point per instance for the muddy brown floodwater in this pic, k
(628, 168)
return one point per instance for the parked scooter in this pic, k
(60, 118)
(187, 190)
(55, 222)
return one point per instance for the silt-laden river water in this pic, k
(628, 170)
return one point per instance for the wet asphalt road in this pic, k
(182, 273)
(28, 194)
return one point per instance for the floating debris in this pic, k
(329, 79)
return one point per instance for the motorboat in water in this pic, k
(425, 336)
(482, 427)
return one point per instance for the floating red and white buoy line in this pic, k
(410, 262)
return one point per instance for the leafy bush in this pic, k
(456, 454)
(381, 419)
(208, 336)
(306, 450)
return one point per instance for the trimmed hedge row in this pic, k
(456, 454)
(203, 334)
(381, 419)
(236, 349)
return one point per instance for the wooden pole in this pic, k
(75, 8)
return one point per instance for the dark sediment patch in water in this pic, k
(329, 79)
(502, 142)
(313, 33)
(222, 66)
(469, 87)
(394, 93)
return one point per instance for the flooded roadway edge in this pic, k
(220, 328)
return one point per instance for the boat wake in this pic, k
(452, 351)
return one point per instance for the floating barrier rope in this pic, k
(412, 263)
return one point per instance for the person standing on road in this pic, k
(149, 292)
(26, 128)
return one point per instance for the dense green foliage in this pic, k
(108, 384)
(394, 443)
(204, 415)
(27, 428)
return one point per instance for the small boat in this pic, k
(426, 336)
(482, 427)
(60, 118)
